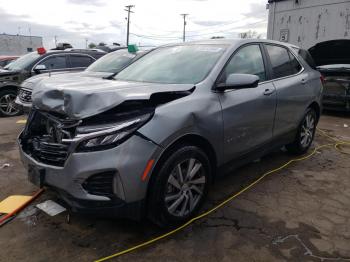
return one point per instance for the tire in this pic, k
(305, 133)
(7, 103)
(173, 200)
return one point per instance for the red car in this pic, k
(4, 60)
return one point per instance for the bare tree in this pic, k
(92, 45)
(249, 34)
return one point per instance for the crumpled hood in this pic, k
(67, 75)
(81, 99)
(6, 73)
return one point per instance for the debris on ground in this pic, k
(51, 208)
(12, 203)
(6, 165)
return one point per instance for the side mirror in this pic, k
(239, 81)
(39, 68)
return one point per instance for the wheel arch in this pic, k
(314, 105)
(9, 87)
(192, 139)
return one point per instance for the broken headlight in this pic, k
(102, 137)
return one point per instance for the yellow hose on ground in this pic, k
(338, 143)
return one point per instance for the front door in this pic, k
(248, 114)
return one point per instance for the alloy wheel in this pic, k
(185, 187)
(8, 106)
(307, 130)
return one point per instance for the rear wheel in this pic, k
(180, 187)
(7, 103)
(305, 134)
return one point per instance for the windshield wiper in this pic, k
(110, 77)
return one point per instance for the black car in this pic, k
(106, 67)
(39, 62)
(333, 61)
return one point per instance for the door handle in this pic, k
(269, 91)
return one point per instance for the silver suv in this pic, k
(151, 141)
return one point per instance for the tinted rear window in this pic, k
(80, 60)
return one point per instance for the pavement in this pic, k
(301, 213)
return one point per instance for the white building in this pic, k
(308, 22)
(19, 44)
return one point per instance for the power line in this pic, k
(169, 36)
(164, 38)
(155, 37)
(229, 29)
(128, 9)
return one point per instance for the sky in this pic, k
(154, 22)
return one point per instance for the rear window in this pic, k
(80, 61)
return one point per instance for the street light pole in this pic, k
(184, 30)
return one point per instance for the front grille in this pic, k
(42, 138)
(100, 184)
(49, 153)
(25, 96)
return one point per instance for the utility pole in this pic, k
(184, 32)
(128, 9)
(86, 43)
(55, 40)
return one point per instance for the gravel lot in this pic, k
(301, 213)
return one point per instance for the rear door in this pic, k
(291, 83)
(248, 114)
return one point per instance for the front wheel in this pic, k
(180, 187)
(7, 103)
(305, 133)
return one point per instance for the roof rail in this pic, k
(84, 50)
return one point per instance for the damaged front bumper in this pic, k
(337, 102)
(107, 181)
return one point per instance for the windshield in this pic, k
(22, 62)
(187, 64)
(112, 62)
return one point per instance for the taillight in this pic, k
(323, 79)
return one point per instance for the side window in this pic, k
(80, 60)
(296, 67)
(248, 60)
(307, 57)
(282, 61)
(55, 62)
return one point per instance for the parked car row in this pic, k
(39, 62)
(5, 60)
(106, 67)
(148, 140)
